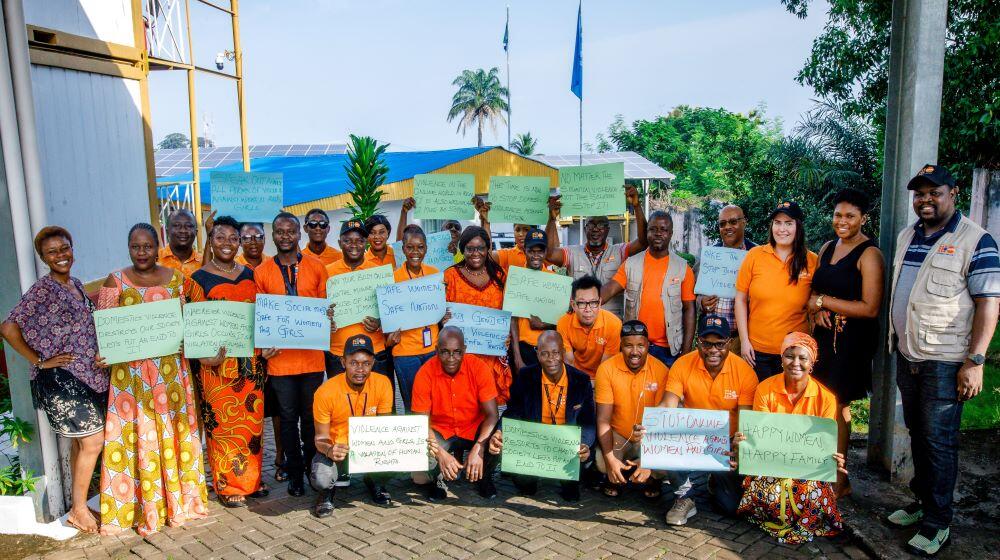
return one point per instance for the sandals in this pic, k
(233, 501)
(262, 491)
(652, 489)
(612, 490)
(280, 474)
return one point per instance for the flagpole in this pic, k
(507, 50)
(580, 17)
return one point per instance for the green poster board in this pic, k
(209, 325)
(533, 292)
(442, 196)
(354, 294)
(543, 450)
(519, 200)
(788, 446)
(137, 332)
(592, 190)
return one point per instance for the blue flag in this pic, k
(506, 30)
(576, 85)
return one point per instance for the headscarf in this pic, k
(801, 340)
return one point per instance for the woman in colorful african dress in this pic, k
(152, 473)
(478, 280)
(232, 389)
(794, 511)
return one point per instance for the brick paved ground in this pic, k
(510, 526)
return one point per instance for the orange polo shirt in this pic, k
(328, 256)
(513, 256)
(187, 267)
(629, 392)
(777, 307)
(733, 387)
(334, 402)
(390, 257)
(241, 258)
(310, 282)
(590, 344)
(817, 400)
(453, 401)
(554, 397)
(411, 343)
(340, 337)
(651, 304)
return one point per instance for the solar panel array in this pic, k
(177, 161)
(636, 166)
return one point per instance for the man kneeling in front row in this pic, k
(551, 392)
(356, 392)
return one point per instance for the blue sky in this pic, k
(318, 70)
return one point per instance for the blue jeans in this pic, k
(933, 414)
(406, 372)
(663, 354)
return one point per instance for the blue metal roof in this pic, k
(308, 178)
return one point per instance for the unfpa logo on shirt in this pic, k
(946, 250)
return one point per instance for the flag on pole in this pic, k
(576, 85)
(506, 30)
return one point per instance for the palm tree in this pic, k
(480, 97)
(366, 170)
(524, 144)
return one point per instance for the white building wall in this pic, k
(93, 160)
(105, 20)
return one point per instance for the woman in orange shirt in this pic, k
(794, 511)
(772, 290)
(479, 280)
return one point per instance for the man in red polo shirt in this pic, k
(459, 394)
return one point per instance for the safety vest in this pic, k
(670, 295)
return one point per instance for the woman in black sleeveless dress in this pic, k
(847, 295)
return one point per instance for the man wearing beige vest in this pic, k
(946, 290)
(659, 291)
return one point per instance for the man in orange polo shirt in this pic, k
(526, 330)
(294, 374)
(317, 227)
(353, 236)
(626, 384)
(659, 291)
(459, 394)
(710, 378)
(590, 332)
(180, 254)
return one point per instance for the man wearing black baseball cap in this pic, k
(946, 285)
(526, 330)
(711, 378)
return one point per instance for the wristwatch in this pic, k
(977, 359)
(819, 302)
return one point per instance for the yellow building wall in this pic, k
(495, 162)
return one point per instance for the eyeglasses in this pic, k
(634, 329)
(248, 238)
(721, 345)
(588, 304)
(730, 222)
(313, 224)
(451, 353)
(477, 249)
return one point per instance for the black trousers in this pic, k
(295, 406)
(766, 365)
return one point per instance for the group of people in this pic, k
(635, 335)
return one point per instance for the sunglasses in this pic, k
(453, 227)
(634, 329)
(730, 222)
(248, 238)
(312, 224)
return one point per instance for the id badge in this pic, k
(427, 337)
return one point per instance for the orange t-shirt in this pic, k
(453, 401)
(651, 304)
(590, 344)
(776, 306)
(630, 393)
(390, 257)
(340, 337)
(733, 387)
(411, 343)
(334, 402)
(187, 267)
(817, 400)
(242, 259)
(554, 397)
(513, 256)
(329, 255)
(310, 281)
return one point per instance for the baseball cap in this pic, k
(789, 208)
(348, 226)
(934, 174)
(359, 343)
(534, 238)
(714, 324)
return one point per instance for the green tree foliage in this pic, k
(480, 99)
(849, 64)
(524, 144)
(174, 140)
(366, 170)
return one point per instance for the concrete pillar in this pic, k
(985, 209)
(913, 119)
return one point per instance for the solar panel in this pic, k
(636, 166)
(177, 161)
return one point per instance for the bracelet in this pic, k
(40, 361)
(819, 302)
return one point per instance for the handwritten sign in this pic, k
(354, 294)
(533, 292)
(443, 196)
(788, 446)
(519, 200)
(387, 443)
(592, 190)
(137, 332)
(437, 255)
(291, 322)
(485, 329)
(717, 271)
(247, 197)
(544, 450)
(411, 304)
(686, 439)
(209, 325)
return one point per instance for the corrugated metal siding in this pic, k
(495, 162)
(106, 20)
(93, 162)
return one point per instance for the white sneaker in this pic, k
(682, 510)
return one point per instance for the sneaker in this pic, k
(907, 516)
(682, 510)
(343, 481)
(436, 491)
(324, 504)
(928, 542)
